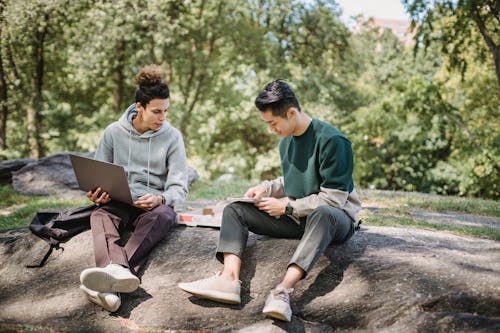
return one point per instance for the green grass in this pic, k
(217, 191)
(389, 219)
(464, 205)
(438, 203)
(18, 210)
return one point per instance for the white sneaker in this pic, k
(109, 301)
(112, 278)
(215, 288)
(278, 304)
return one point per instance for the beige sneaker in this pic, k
(215, 288)
(278, 304)
(112, 278)
(109, 301)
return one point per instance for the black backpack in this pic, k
(59, 227)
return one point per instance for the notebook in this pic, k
(91, 174)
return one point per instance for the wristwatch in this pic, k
(289, 208)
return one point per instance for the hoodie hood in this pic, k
(155, 161)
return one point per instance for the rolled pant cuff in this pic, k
(305, 268)
(219, 254)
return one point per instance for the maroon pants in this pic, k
(148, 228)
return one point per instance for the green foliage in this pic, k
(18, 210)
(459, 27)
(414, 125)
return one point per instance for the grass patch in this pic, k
(217, 191)
(437, 203)
(395, 220)
(17, 210)
(464, 205)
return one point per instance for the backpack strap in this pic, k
(358, 225)
(47, 255)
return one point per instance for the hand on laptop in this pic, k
(148, 201)
(98, 197)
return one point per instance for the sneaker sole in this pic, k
(104, 282)
(97, 300)
(277, 315)
(212, 295)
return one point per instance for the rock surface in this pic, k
(51, 175)
(385, 279)
(7, 167)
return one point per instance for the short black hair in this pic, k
(277, 96)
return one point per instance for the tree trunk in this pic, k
(496, 57)
(118, 78)
(32, 128)
(4, 109)
(34, 115)
(490, 42)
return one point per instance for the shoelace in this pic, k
(282, 294)
(214, 276)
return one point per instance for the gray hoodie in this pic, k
(155, 161)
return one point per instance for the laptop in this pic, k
(91, 174)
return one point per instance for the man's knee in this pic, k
(162, 216)
(323, 212)
(325, 215)
(234, 210)
(98, 212)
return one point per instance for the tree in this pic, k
(31, 41)
(455, 20)
(4, 109)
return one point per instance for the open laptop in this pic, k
(91, 174)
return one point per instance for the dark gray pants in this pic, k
(324, 226)
(148, 228)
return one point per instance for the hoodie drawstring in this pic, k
(129, 152)
(149, 159)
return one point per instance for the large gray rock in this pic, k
(53, 175)
(9, 166)
(385, 279)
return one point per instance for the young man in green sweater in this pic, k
(314, 201)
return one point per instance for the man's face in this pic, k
(282, 127)
(155, 112)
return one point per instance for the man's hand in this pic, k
(98, 197)
(272, 206)
(256, 192)
(148, 201)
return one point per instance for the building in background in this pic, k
(400, 28)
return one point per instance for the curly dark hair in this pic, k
(150, 85)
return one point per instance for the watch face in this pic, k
(288, 210)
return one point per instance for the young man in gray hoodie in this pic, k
(153, 155)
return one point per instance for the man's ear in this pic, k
(139, 107)
(291, 113)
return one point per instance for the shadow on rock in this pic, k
(130, 301)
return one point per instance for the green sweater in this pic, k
(321, 157)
